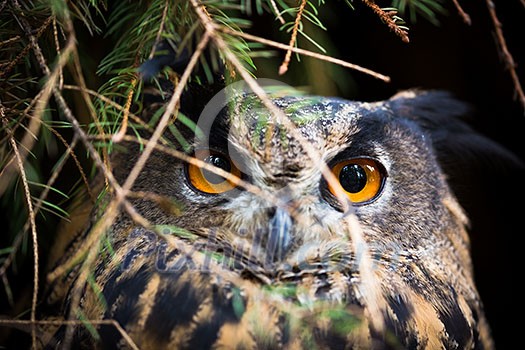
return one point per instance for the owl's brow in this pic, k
(203, 165)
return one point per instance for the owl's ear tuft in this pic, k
(165, 56)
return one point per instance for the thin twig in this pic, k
(79, 77)
(304, 52)
(161, 28)
(19, 238)
(103, 98)
(69, 151)
(462, 13)
(10, 40)
(25, 113)
(278, 14)
(386, 17)
(2, 5)
(124, 125)
(57, 47)
(34, 236)
(507, 57)
(7, 290)
(284, 66)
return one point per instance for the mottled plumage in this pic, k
(242, 271)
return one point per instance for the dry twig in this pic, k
(278, 14)
(304, 52)
(507, 56)
(124, 125)
(462, 13)
(161, 28)
(103, 98)
(19, 238)
(34, 236)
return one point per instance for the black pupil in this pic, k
(353, 178)
(219, 162)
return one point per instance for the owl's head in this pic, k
(287, 213)
(259, 209)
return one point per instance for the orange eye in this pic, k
(361, 178)
(207, 181)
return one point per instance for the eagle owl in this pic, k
(270, 252)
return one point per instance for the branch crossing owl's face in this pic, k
(271, 260)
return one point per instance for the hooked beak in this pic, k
(279, 238)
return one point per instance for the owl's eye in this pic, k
(207, 181)
(361, 178)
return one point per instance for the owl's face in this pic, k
(284, 225)
(385, 165)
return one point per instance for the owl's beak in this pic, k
(279, 238)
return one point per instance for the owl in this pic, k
(317, 223)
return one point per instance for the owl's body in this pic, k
(272, 264)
